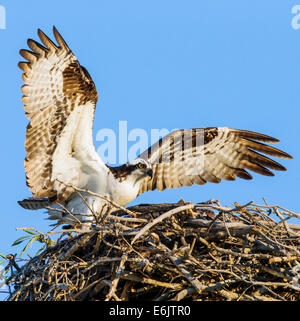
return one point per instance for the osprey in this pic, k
(60, 99)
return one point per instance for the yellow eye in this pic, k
(141, 165)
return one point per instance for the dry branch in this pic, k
(179, 251)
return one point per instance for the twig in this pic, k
(127, 275)
(186, 273)
(160, 219)
(115, 281)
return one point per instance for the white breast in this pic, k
(122, 192)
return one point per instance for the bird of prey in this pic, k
(60, 99)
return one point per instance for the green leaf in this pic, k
(51, 242)
(25, 248)
(40, 250)
(20, 240)
(35, 238)
(3, 256)
(30, 232)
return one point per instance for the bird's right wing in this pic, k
(59, 99)
(196, 156)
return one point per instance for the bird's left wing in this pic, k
(200, 155)
(59, 99)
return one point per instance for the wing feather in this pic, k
(58, 92)
(60, 40)
(197, 156)
(37, 47)
(47, 41)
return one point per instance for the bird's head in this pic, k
(140, 168)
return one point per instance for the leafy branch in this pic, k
(34, 236)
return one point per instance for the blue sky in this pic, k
(163, 64)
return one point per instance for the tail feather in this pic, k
(34, 203)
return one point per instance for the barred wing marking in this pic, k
(59, 95)
(197, 156)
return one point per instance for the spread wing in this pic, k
(59, 99)
(197, 156)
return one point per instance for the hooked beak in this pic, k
(149, 172)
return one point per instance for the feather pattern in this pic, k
(200, 155)
(58, 91)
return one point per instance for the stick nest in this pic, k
(180, 251)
